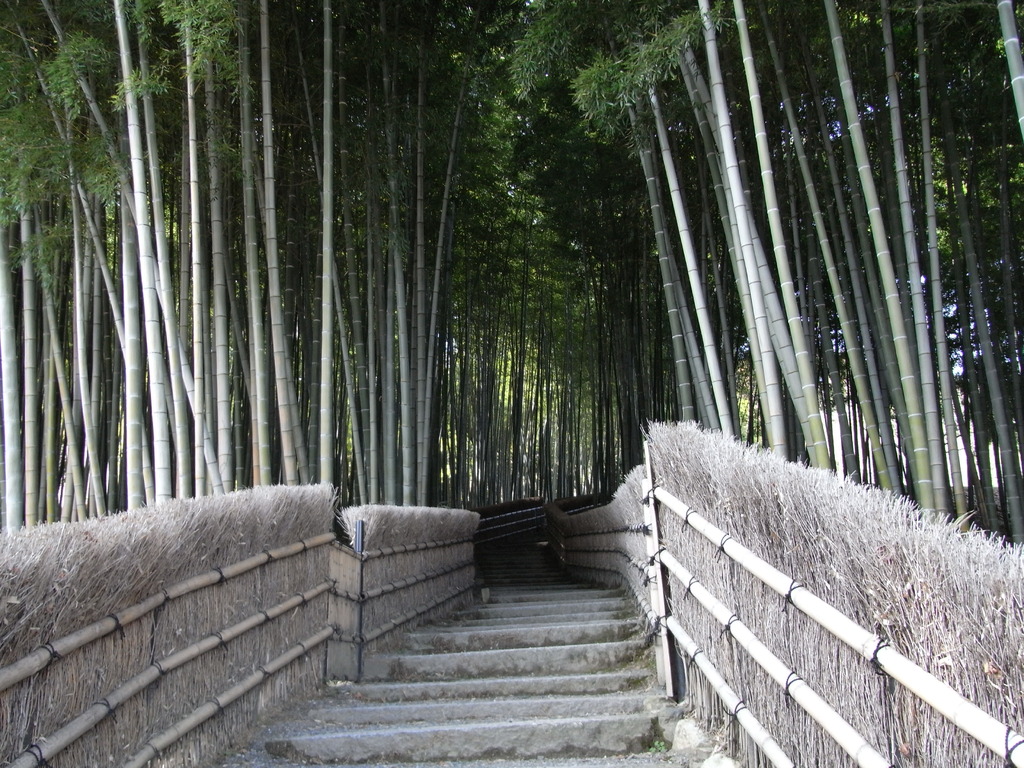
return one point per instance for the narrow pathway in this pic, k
(543, 672)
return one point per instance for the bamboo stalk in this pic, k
(46, 748)
(996, 736)
(46, 654)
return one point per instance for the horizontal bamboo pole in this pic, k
(405, 618)
(50, 746)
(159, 743)
(844, 734)
(46, 654)
(733, 703)
(411, 581)
(944, 699)
(399, 549)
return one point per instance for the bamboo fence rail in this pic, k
(164, 655)
(380, 591)
(935, 682)
(999, 737)
(216, 638)
(947, 609)
(62, 647)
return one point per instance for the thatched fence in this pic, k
(813, 621)
(157, 637)
(400, 566)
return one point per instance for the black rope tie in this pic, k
(1010, 748)
(740, 706)
(111, 709)
(794, 585)
(118, 626)
(793, 677)
(686, 517)
(54, 653)
(649, 496)
(689, 585)
(37, 752)
(653, 559)
(220, 573)
(728, 625)
(882, 643)
(221, 642)
(160, 668)
(721, 545)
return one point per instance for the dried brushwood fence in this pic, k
(185, 668)
(888, 641)
(400, 566)
(154, 675)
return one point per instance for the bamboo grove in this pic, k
(453, 253)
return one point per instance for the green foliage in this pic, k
(81, 56)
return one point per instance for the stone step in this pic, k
(560, 659)
(453, 640)
(526, 608)
(620, 613)
(591, 736)
(545, 594)
(361, 713)
(634, 678)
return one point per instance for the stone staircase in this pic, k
(542, 671)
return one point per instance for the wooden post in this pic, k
(345, 650)
(656, 575)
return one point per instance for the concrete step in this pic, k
(453, 640)
(591, 736)
(560, 659)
